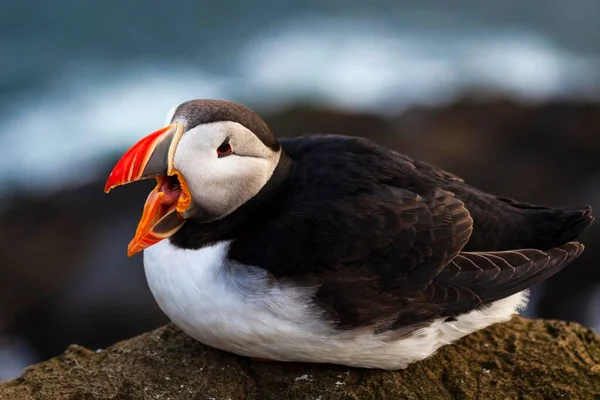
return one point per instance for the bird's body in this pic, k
(347, 252)
(232, 307)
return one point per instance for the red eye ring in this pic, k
(224, 149)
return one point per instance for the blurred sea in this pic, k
(81, 80)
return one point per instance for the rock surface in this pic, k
(521, 359)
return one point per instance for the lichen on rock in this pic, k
(520, 359)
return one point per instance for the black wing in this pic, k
(383, 278)
(491, 276)
(409, 267)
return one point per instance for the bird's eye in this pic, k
(224, 149)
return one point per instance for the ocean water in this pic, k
(83, 82)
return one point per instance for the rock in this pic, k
(518, 359)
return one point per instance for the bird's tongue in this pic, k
(159, 216)
(170, 194)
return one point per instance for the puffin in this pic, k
(328, 248)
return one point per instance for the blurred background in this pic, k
(504, 94)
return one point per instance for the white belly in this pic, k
(234, 308)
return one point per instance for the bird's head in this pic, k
(211, 158)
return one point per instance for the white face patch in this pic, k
(222, 184)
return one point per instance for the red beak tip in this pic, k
(131, 252)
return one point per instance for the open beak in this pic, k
(152, 157)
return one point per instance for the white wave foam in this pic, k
(61, 136)
(360, 64)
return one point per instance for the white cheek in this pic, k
(236, 179)
(220, 185)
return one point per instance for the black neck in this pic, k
(196, 234)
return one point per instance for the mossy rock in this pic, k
(520, 359)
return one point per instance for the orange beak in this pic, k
(152, 157)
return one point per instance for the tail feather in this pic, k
(574, 223)
(546, 228)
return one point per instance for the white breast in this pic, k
(235, 308)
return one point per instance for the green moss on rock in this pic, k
(521, 359)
